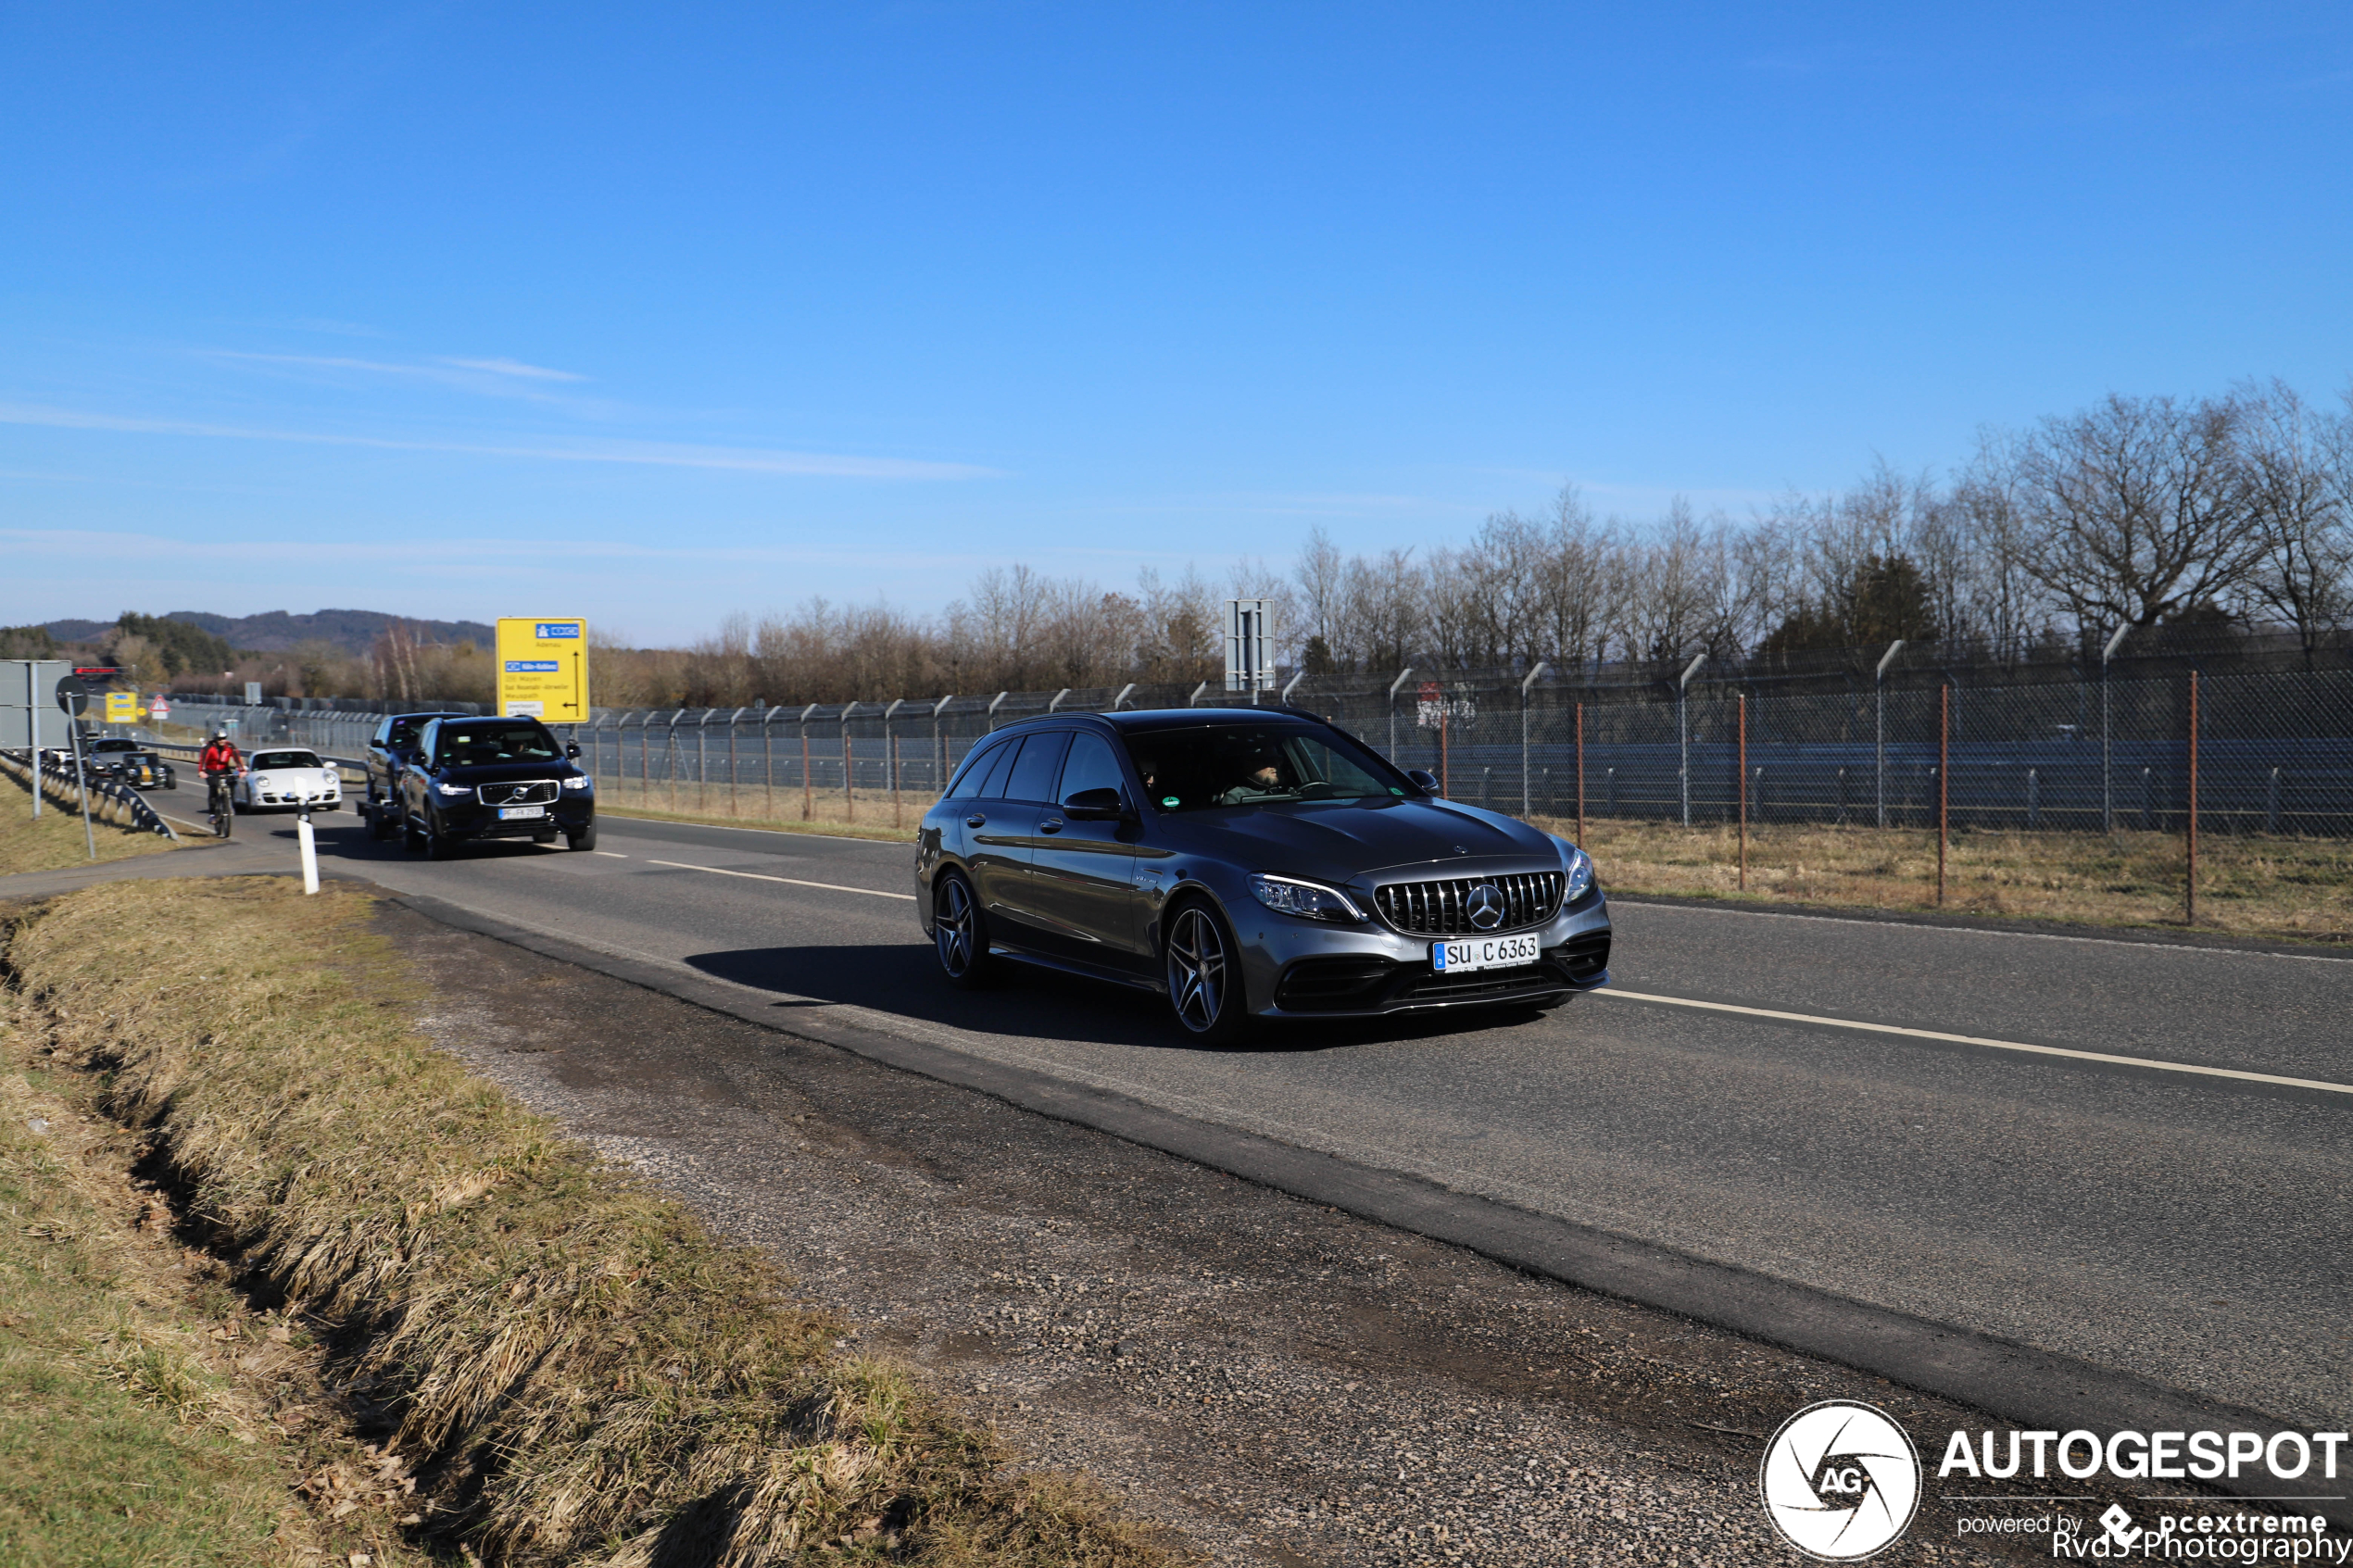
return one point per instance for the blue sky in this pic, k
(650, 315)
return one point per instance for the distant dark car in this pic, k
(477, 777)
(1248, 864)
(140, 770)
(388, 751)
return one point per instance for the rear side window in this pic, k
(1034, 771)
(404, 732)
(1091, 766)
(972, 779)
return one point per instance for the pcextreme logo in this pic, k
(1841, 1481)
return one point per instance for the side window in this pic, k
(972, 779)
(1091, 766)
(1041, 758)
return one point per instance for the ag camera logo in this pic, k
(1841, 1481)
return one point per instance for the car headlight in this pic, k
(1580, 867)
(455, 789)
(1308, 900)
(578, 781)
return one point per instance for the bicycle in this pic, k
(219, 809)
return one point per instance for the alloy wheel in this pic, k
(1197, 965)
(953, 928)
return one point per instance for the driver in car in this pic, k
(1262, 779)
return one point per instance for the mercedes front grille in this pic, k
(1439, 908)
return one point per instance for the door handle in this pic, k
(976, 820)
(1052, 824)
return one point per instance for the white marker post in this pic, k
(309, 848)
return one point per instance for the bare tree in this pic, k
(2296, 462)
(2135, 509)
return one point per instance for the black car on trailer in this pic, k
(389, 751)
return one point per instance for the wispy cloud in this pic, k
(740, 459)
(515, 367)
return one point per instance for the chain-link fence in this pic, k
(2274, 749)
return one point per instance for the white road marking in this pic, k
(608, 854)
(1979, 1040)
(797, 882)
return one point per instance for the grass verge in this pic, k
(569, 1368)
(133, 1429)
(55, 841)
(2284, 888)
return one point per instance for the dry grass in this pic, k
(2298, 889)
(580, 1373)
(866, 817)
(57, 840)
(131, 1431)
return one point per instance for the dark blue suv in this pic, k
(482, 777)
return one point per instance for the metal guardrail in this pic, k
(126, 801)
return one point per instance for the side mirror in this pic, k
(1105, 805)
(1423, 777)
(572, 748)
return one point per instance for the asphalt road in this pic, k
(2191, 1229)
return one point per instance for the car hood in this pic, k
(1337, 841)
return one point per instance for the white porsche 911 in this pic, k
(281, 781)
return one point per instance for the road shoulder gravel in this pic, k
(1280, 1381)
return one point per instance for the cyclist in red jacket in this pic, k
(220, 764)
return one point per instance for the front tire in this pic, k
(438, 845)
(960, 936)
(1204, 976)
(585, 839)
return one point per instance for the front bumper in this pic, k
(1295, 968)
(472, 821)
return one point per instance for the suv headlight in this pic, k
(455, 789)
(1580, 867)
(578, 781)
(1308, 900)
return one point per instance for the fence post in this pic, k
(1743, 788)
(734, 810)
(1878, 688)
(1532, 676)
(808, 790)
(703, 762)
(768, 760)
(939, 742)
(1944, 781)
(1403, 676)
(890, 756)
(2191, 900)
(2272, 804)
(2033, 801)
(1683, 728)
(1580, 773)
(2107, 794)
(848, 795)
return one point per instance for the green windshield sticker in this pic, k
(1168, 800)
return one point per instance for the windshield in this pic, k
(487, 741)
(1195, 768)
(285, 760)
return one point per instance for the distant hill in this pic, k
(353, 630)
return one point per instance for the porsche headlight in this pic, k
(1308, 900)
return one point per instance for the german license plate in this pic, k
(515, 813)
(1483, 952)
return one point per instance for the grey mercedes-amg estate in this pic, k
(1251, 863)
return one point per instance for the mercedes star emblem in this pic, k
(1485, 906)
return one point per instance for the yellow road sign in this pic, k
(543, 668)
(122, 707)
